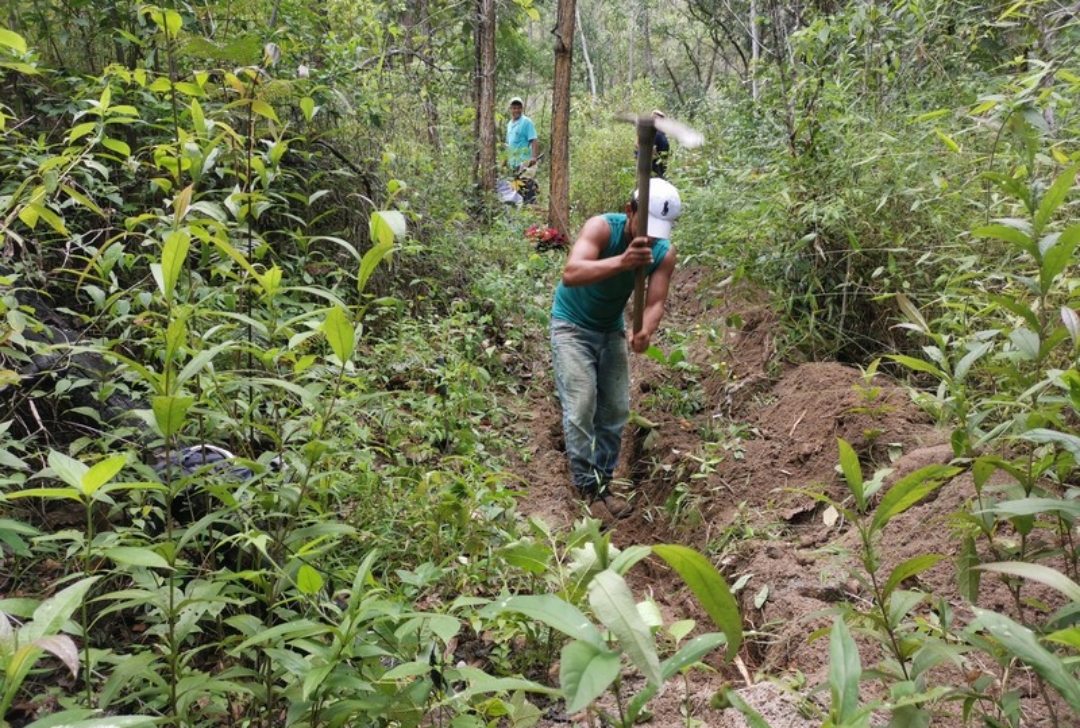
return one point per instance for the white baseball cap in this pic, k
(516, 101)
(664, 207)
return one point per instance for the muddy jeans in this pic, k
(593, 379)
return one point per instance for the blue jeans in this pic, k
(592, 375)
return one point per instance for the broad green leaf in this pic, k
(102, 472)
(181, 203)
(910, 490)
(296, 629)
(480, 683)
(339, 334)
(1056, 195)
(188, 89)
(29, 215)
(19, 68)
(1071, 321)
(1022, 643)
(443, 626)
(264, 109)
(553, 612)
(199, 362)
(53, 614)
(1026, 342)
(1037, 572)
(63, 647)
(531, 556)
(629, 556)
(81, 719)
(933, 653)
(585, 672)
(198, 118)
(908, 569)
(614, 604)
(912, 313)
(1055, 260)
(849, 464)
(710, 589)
(307, 106)
(1035, 506)
(133, 556)
(309, 580)
(388, 226)
(175, 337)
(68, 469)
(169, 21)
(919, 365)
(270, 281)
(1020, 308)
(964, 365)
(54, 220)
(80, 130)
(361, 580)
(371, 259)
(170, 412)
(225, 247)
(1009, 234)
(48, 493)
(116, 145)
(314, 678)
(82, 200)
(1071, 443)
(689, 655)
(845, 671)
(12, 40)
(1069, 637)
(655, 353)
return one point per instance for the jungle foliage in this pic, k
(254, 226)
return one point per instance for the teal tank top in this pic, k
(600, 307)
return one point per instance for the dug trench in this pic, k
(726, 449)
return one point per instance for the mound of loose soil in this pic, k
(740, 441)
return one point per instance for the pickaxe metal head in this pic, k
(683, 134)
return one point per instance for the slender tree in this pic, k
(585, 51)
(485, 92)
(559, 206)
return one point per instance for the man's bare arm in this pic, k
(584, 265)
(659, 283)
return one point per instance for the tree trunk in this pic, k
(649, 70)
(585, 51)
(559, 205)
(755, 49)
(485, 93)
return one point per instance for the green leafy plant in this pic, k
(888, 615)
(591, 663)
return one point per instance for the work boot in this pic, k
(610, 503)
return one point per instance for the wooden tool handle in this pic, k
(646, 134)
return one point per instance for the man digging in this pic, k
(589, 340)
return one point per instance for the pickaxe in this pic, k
(647, 126)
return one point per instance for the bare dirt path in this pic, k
(740, 436)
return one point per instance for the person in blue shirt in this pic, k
(589, 339)
(522, 144)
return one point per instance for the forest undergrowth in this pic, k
(278, 437)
